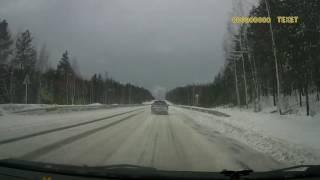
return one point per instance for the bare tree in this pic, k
(228, 48)
(76, 74)
(42, 66)
(275, 58)
(43, 59)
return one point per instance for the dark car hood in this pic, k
(141, 172)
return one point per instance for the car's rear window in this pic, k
(159, 103)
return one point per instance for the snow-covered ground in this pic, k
(13, 125)
(184, 140)
(291, 105)
(21, 107)
(292, 139)
(53, 108)
(169, 142)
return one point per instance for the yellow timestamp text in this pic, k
(249, 20)
(287, 19)
(262, 20)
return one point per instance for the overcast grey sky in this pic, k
(151, 43)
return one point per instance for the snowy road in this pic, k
(128, 136)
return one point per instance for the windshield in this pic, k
(236, 83)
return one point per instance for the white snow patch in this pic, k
(22, 107)
(95, 104)
(292, 139)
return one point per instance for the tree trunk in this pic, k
(39, 91)
(244, 71)
(236, 83)
(275, 58)
(300, 97)
(255, 81)
(307, 97)
(11, 87)
(67, 95)
(274, 95)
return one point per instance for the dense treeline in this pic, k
(264, 59)
(23, 71)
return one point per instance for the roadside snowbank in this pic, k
(292, 139)
(22, 107)
(298, 129)
(53, 108)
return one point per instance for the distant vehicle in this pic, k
(159, 107)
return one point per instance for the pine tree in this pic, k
(23, 64)
(5, 52)
(5, 42)
(25, 55)
(42, 66)
(64, 75)
(64, 67)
